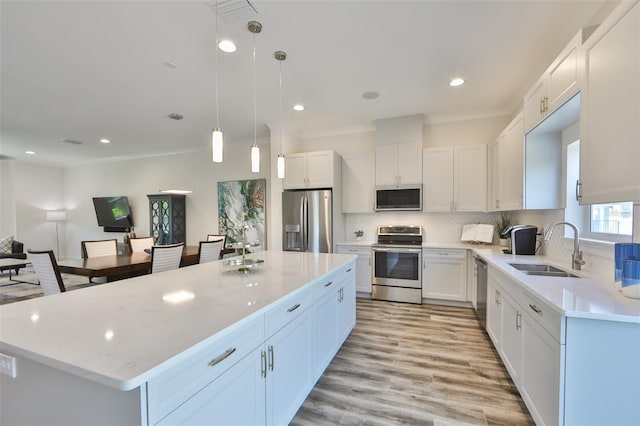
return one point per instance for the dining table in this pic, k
(120, 266)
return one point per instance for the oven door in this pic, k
(397, 266)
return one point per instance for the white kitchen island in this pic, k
(197, 345)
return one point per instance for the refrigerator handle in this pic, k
(305, 223)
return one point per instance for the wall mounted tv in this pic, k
(113, 213)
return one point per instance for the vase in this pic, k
(503, 242)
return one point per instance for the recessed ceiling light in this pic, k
(370, 95)
(30, 152)
(227, 46)
(456, 82)
(298, 107)
(105, 140)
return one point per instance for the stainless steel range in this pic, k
(396, 266)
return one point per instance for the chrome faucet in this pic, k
(576, 257)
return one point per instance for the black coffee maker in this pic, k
(521, 239)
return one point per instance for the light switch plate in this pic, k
(8, 365)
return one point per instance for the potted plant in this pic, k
(504, 221)
(358, 234)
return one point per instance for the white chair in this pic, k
(214, 237)
(137, 245)
(99, 248)
(165, 258)
(209, 251)
(46, 268)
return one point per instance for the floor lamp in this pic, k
(57, 217)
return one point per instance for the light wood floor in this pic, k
(417, 365)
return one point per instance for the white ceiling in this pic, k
(87, 70)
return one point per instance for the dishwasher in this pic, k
(481, 296)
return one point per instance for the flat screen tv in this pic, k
(113, 213)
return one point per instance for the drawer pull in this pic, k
(349, 270)
(222, 357)
(353, 250)
(263, 363)
(328, 284)
(293, 308)
(535, 309)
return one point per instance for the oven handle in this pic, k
(397, 250)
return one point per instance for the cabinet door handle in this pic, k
(546, 104)
(518, 320)
(349, 270)
(263, 363)
(222, 357)
(326, 285)
(271, 357)
(536, 309)
(541, 106)
(293, 308)
(578, 190)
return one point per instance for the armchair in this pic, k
(17, 252)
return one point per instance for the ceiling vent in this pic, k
(71, 141)
(231, 11)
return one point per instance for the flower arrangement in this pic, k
(359, 233)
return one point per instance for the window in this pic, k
(606, 222)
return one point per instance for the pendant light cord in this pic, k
(217, 70)
(255, 116)
(280, 106)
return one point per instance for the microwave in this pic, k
(398, 198)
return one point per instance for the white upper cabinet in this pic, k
(455, 178)
(399, 164)
(310, 170)
(610, 110)
(508, 167)
(558, 83)
(358, 183)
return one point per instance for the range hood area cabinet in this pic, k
(319, 169)
(455, 179)
(558, 83)
(399, 150)
(610, 110)
(506, 168)
(399, 164)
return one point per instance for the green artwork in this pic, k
(242, 202)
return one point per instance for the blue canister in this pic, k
(631, 277)
(625, 251)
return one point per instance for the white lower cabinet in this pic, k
(540, 372)
(261, 372)
(444, 274)
(235, 398)
(521, 326)
(363, 265)
(290, 375)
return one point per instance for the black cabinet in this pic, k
(167, 218)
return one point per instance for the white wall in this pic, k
(138, 178)
(37, 189)
(7, 199)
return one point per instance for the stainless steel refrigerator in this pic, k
(307, 221)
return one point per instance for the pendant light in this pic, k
(280, 56)
(255, 27)
(216, 133)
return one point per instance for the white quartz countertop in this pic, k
(121, 334)
(583, 297)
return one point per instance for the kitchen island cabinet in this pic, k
(202, 344)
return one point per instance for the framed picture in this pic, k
(242, 203)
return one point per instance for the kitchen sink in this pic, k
(542, 269)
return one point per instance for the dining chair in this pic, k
(99, 248)
(137, 245)
(46, 268)
(214, 237)
(210, 251)
(165, 258)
